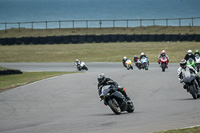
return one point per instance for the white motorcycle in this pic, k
(197, 62)
(145, 63)
(128, 64)
(81, 66)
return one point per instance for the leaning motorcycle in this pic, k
(190, 84)
(197, 63)
(138, 64)
(191, 62)
(128, 64)
(163, 63)
(145, 63)
(81, 66)
(116, 100)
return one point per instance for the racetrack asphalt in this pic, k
(70, 103)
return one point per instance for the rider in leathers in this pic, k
(124, 61)
(181, 71)
(107, 81)
(162, 54)
(77, 62)
(196, 53)
(143, 55)
(189, 55)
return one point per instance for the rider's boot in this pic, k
(127, 97)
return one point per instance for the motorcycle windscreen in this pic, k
(188, 77)
(190, 61)
(105, 90)
(143, 59)
(197, 59)
(163, 59)
(128, 62)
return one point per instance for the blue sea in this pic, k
(58, 10)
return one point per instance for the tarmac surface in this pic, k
(70, 103)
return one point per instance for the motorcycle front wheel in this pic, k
(163, 67)
(114, 106)
(192, 92)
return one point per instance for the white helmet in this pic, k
(125, 57)
(189, 52)
(142, 53)
(101, 77)
(77, 60)
(163, 51)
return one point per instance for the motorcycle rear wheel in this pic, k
(114, 106)
(131, 108)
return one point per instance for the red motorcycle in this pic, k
(163, 63)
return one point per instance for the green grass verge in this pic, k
(3, 68)
(186, 130)
(11, 81)
(95, 52)
(23, 32)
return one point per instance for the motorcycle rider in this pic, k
(189, 55)
(162, 54)
(181, 71)
(77, 61)
(124, 61)
(80, 65)
(143, 55)
(102, 81)
(135, 58)
(196, 53)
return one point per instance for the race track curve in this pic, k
(70, 103)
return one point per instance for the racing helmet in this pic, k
(183, 63)
(77, 60)
(163, 52)
(197, 51)
(142, 53)
(125, 58)
(101, 77)
(189, 52)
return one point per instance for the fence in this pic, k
(194, 21)
(100, 38)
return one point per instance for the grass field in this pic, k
(11, 81)
(94, 52)
(99, 31)
(186, 130)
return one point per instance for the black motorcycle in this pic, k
(191, 84)
(116, 100)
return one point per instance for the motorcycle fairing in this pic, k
(188, 77)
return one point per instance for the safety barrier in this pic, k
(74, 39)
(10, 71)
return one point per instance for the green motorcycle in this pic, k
(191, 62)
